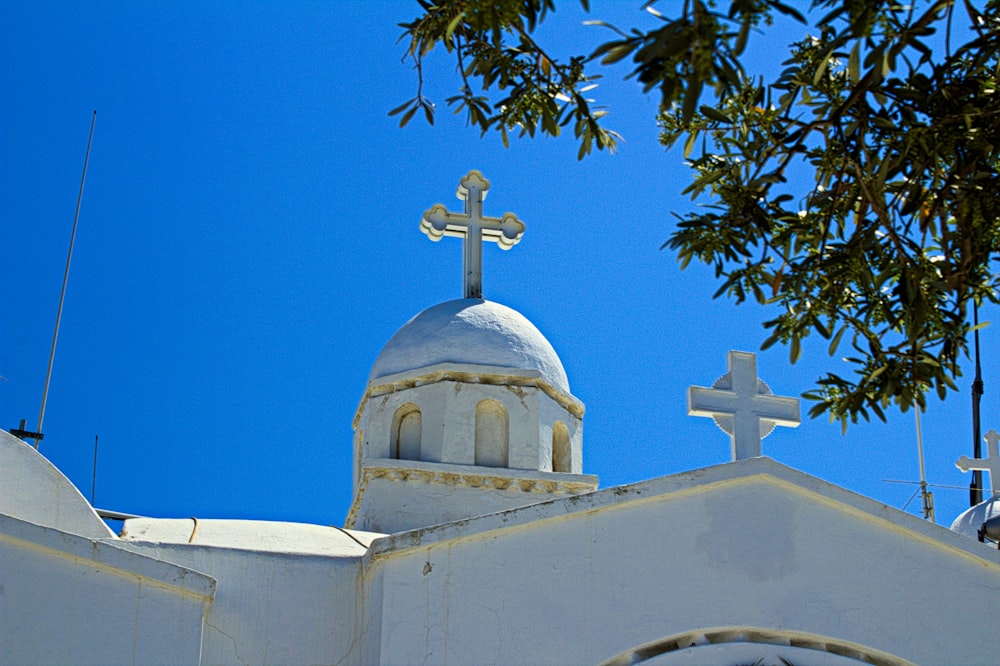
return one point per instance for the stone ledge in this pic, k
(467, 374)
(470, 476)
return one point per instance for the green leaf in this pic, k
(402, 106)
(854, 64)
(715, 114)
(741, 38)
(821, 69)
(689, 144)
(406, 117)
(823, 330)
(769, 342)
(450, 31)
(789, 11)
(618, 53)
(691, 96)
(835, 342)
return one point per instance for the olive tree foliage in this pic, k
(856, 192)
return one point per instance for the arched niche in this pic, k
(407, 429)
(562, 450)
(492, 434)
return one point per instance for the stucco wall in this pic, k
(399, 495)
(665, 558)
(276, 608)
(448, 421)
(70, 600)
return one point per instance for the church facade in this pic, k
(475, 537)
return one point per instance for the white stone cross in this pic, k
(743, 406)
(473, 228)
(991, 463)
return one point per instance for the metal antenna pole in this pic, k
(976, 485)
(926, 495)
(93, 482)
(62, 295)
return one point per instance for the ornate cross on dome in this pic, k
(743, 406)
(473, 228)
(991, 463)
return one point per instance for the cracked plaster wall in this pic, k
(64, 609)
(276, 608)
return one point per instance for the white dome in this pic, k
(970, 520)
(470, 331)
(35, 491)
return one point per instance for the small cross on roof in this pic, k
(743, 406)
(991, 463)
(473, 229)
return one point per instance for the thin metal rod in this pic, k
(93, 483)
(925, 494)
(62, 295)
(976, 484)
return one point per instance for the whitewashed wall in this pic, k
(630, 566)
(66, 599)
(276, 608)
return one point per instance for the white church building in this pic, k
(475, 537)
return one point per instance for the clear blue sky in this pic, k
(249, 239)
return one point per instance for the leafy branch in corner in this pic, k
(854, 193)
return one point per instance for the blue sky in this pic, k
(249, 239)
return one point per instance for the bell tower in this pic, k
(467, 409)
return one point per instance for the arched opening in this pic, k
(751, 645)
(407, 425)
(562, 456)
(492, 430)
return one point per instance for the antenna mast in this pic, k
(926, 495)
(976, 485)
(62, 295)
